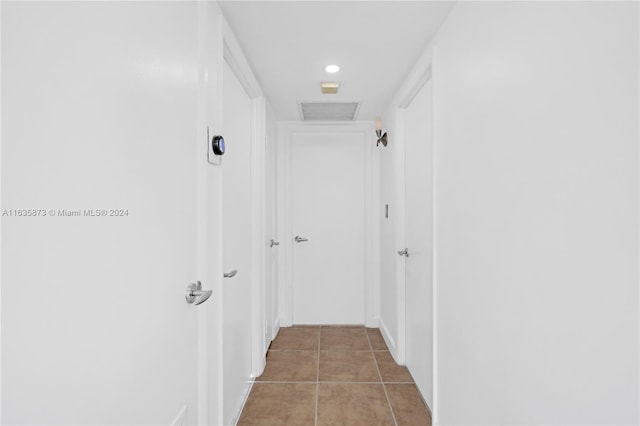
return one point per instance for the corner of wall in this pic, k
(276, 328)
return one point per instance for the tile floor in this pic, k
(333, 375)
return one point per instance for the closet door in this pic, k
(419, 240)
(328, 220)
(236, 176)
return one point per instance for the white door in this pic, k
(236, 167)
(419, 240)
(328, 185)
(99, 107)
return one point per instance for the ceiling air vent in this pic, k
(328, 111)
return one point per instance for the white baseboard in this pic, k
(244, 401)
(373, 323)
(276, 328)
(261, 368)
(284, 322)
(387, 338)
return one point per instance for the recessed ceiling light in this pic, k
(332, 69)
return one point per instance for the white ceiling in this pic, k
(288, 44)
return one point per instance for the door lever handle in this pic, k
(274, 243)
(300, 239)
(196, 295)
(231, 274)
(404, 252)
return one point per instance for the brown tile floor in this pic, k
(333, 375)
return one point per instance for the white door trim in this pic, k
(259, 237)
(209, 263)
(286, 130)
(1, 206)
(417, 83)
(421, 73)
(401, 241)
(238, 63)
(236, 59)
(434, 260)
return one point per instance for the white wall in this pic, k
(536, 228)
(537, 213)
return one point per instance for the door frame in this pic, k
(284, 189)
(237, 61)
(272, 325)
(400, 111)
(209, 252)
(424, 71)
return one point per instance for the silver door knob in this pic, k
(274, 243)
(300, 239)
(231, 274)
(404, 252)
(195, 294)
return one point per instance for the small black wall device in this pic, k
(217, 144)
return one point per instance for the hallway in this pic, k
(294, 213)
(333, 375)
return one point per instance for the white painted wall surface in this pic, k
(99, 111)
(236, 167)
(536, 134)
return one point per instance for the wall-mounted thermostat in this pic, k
(215, 148)
(217, 144)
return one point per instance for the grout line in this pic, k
(384, 387)
(318, 376)
(325, 350)
(337, 382)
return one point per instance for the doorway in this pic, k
(237, 315)
(328, 247)
(418, 126)
(330, 225)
